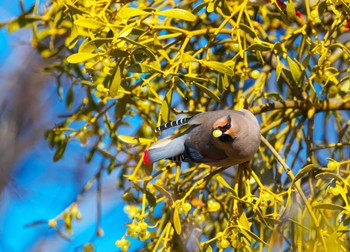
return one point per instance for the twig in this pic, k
(291, 175)
(329, 146)
(326, 105)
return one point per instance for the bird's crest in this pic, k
(223, 124)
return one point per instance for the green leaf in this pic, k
(115, 83)
(134, 140)
(328, 206)
(226, 82)
(60, 151)
(21, 22)
(92, 45)
(218, 66)
(178, 14)
(212, 6)
(246, 232)
(306, 61)
(192, 77)
(291, 10)
(131, 12)
(344, 226)
(159, 48)
(132, 42)
(207, 91)
(258, 47)
(135, 68)
(278, 47)
(327, 176)
(80, 57)
(143, 68)
(119, 53)
(186, 57)
(279, 68)
(145, 52)
(166, 105)
(243, 221)
(126, 31)
(303, 171)
(225, 8)
(151, 199)
(343, 192)
(294, 69)
(75, 9)
(247, 29)
(220, 83)
(180, 91)
(164, 193)
(209, 249)
(323, 6)
(89, 23)
(177, 221)
(223, 182)
(73, 37)
(70, 98)
(199, 7)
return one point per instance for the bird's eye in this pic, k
(225, 128)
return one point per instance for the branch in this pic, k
(329, 146)
(326, 105)
(292, 177)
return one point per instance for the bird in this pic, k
(219, 138)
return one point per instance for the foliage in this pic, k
(126, 67)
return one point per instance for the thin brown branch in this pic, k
(326, 105)
(291, 175)
(329, 146)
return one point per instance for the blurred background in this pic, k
(32, 187)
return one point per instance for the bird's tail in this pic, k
(165, 149)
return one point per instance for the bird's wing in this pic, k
(166, 148)
(171, 124)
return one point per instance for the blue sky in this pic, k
(39, 189)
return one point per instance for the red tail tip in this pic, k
(146, 158)
(347, 23)
(298, 13)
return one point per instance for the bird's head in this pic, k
(223, 129)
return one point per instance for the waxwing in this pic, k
(217, 138)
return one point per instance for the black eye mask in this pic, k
(226, 138)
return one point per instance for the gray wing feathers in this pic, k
(168, 149)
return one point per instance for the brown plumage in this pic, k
(217, 138)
